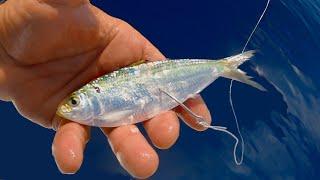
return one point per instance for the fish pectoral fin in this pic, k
(241, 76)
(116, 115)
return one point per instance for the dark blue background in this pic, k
(281, 127)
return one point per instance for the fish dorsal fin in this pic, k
(138, 63)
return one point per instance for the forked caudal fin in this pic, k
(241, 76)
(234, 73)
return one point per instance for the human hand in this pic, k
(50, 48)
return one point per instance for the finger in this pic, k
(132, 150)
(197, 106)
(68, 145)
(125, 48)
(163, 129)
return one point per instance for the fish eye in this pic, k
(74, 101)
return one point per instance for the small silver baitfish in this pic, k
(135, 94)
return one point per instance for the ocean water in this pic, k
(281, 127)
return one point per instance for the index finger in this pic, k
(69, 144)
(197, 106)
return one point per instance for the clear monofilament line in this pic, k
(230, 92)
(257, 25)
(204, 123)
(224, 129)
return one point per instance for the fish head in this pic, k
(76, 107)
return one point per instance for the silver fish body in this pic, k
(134, 94)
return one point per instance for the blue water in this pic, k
(281, 127)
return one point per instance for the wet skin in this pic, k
(49, 48)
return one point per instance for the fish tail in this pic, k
(233, 62)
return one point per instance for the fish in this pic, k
(143, 90)
(137, 93)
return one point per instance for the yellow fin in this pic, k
(137, 63)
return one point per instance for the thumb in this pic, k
(69, 3)
(35, 31)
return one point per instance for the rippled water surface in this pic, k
(281, 127)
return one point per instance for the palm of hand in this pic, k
(50, 49)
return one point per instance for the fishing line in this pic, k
(205, 124)
(231, 85)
